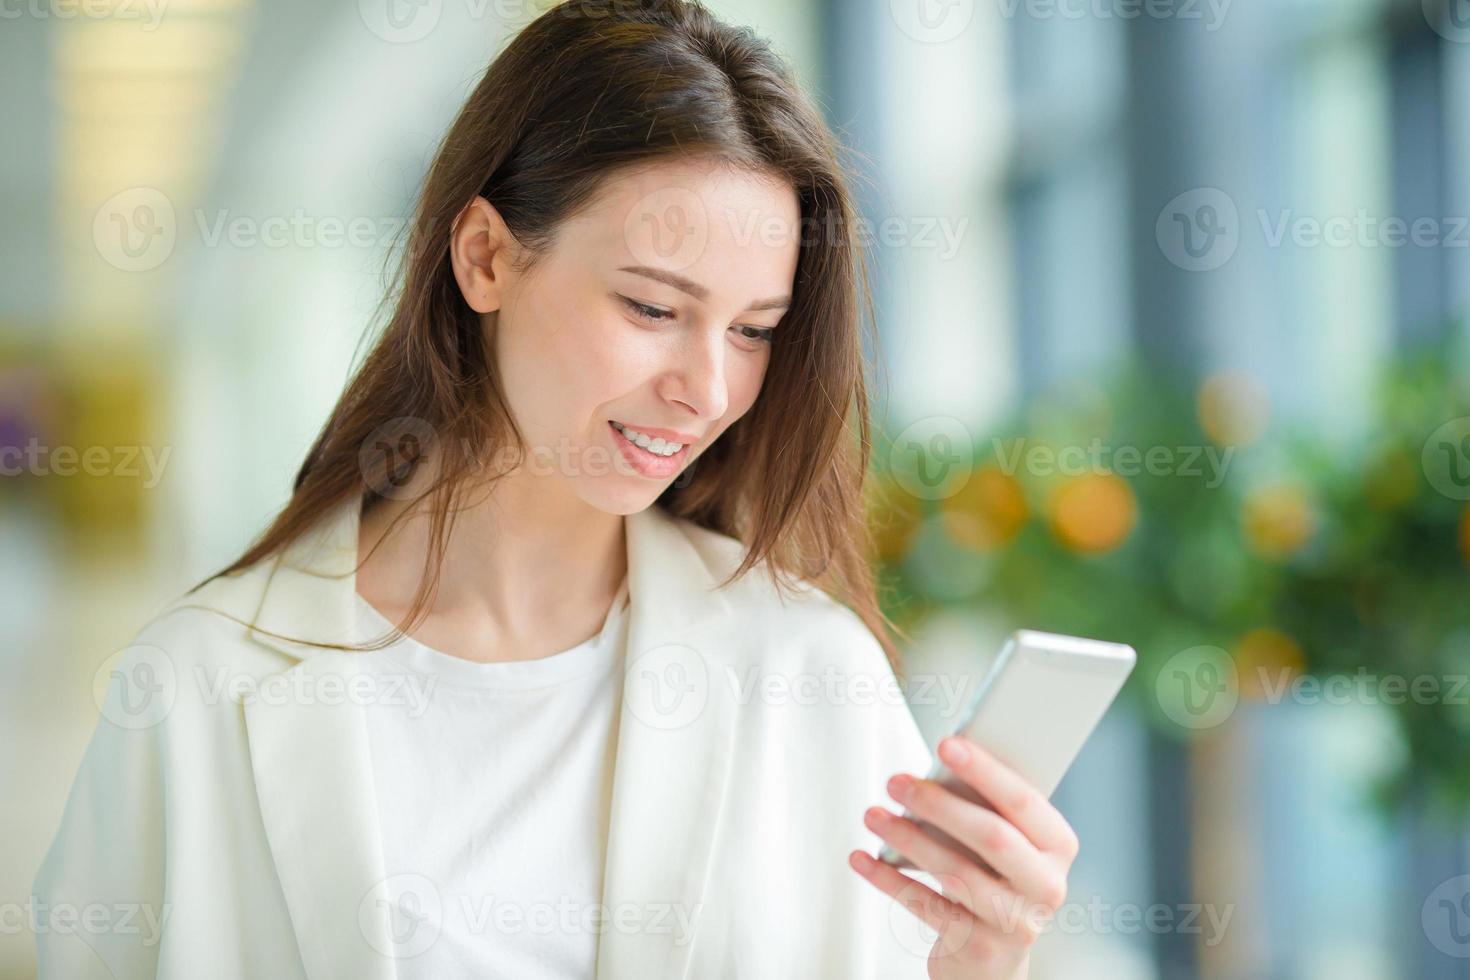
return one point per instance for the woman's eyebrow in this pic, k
(687, 285)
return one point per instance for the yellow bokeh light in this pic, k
(1093, 513)
(988, 512)
(1278, 520)
(1267, 660)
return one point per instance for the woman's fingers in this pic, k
(1012, 796)
(958, 928)
(935, 910)
(991, 836)
(963, 880)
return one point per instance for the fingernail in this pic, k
(877, 816)
(953, 750)
(900, 787)
(860, 860)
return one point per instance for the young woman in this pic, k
(564, 658)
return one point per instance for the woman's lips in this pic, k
(646, 463)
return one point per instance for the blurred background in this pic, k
(1171, 308)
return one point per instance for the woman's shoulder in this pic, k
(768, 601)
(210, 623)
(186, 669)
(723, 554)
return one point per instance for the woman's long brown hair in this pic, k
(589, 87)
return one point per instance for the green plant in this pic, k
(1298, 553)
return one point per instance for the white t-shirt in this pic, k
(493, 784)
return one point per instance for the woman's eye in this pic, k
(657, 314)
(761, 334)
(654, 313)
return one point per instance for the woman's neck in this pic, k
(527, 572)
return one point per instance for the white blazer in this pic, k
(753, 733)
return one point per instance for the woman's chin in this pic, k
(625, 495)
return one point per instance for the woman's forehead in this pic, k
(733, 237)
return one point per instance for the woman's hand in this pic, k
(986, 919)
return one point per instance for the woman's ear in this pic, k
(479, 251)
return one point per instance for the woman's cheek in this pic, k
(746, 384)
(625, 354)
(591, 347)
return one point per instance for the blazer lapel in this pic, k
(675, 745)
(312, 768)
(314, 779)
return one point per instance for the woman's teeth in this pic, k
(656, 446)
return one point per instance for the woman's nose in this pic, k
(699, 379)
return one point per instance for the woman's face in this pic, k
(651, 314)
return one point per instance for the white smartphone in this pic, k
(1036, 707)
